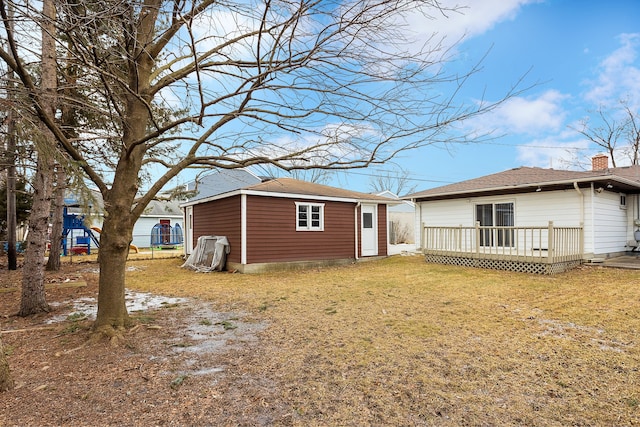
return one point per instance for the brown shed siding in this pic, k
(272, 235)
(382, 230)
(220, 218)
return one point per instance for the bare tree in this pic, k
(616, 131)
(57, 217)
(632, 134)
(299, 84)
(10, 156)
(33, 299)
(398, 182)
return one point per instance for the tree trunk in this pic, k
(115, 239)
(33, 295)
(6, 383)
(53, 264)
(12, 256)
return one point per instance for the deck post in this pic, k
(477, 239)
(550, 248)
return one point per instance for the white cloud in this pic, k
(524, 115)
(467, 21)
(553, 152)
(618, 74)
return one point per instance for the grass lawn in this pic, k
(402, 342)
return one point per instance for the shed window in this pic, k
(623, 201)
(367, 220)
(309, 216)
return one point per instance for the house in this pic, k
(160, 225)
(401, 223)
(531, 219)
(87, 217)
(209, 186)
(286, 223)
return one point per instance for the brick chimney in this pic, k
(600, 162)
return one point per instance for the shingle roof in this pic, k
(531, 177)
(294, 186)
(161, 208)
(221, 181)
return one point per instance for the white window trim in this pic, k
(623, 197)
(309, 227)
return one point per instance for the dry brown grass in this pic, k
(402, 342)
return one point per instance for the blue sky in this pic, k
(582, 54)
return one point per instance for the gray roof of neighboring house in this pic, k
(526, 179)
(405, 206)
(221, 181)
(159, 208)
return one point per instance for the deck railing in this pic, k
(544, 244)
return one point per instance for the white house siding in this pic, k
(144, 225)
(633, 214)
(610, 224)
(530, 209)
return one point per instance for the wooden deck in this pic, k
(540, 249)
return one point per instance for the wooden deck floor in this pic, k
(630, 261)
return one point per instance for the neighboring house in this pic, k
(157, 212)
(165, 213)
(211, 185)
(401, 220)
(531, 219)
(287, 223)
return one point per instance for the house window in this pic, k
(310, 216)
(623, 201)
(496, 215)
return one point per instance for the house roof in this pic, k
(293, 188)
(221, 181)
(528, 179)
(160, 208)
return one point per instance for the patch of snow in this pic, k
(135, 302)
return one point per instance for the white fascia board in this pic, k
(289, 196)
(611, 178)
(211, 198)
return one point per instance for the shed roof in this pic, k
(298, 187)
(525, 179)
(294, 188)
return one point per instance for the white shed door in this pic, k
(188, 235)
(369, 228)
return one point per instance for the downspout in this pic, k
(593, 228)
(575, 185)
(355, 217)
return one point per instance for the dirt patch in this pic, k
(182, 363)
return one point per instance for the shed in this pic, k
(287, 223)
